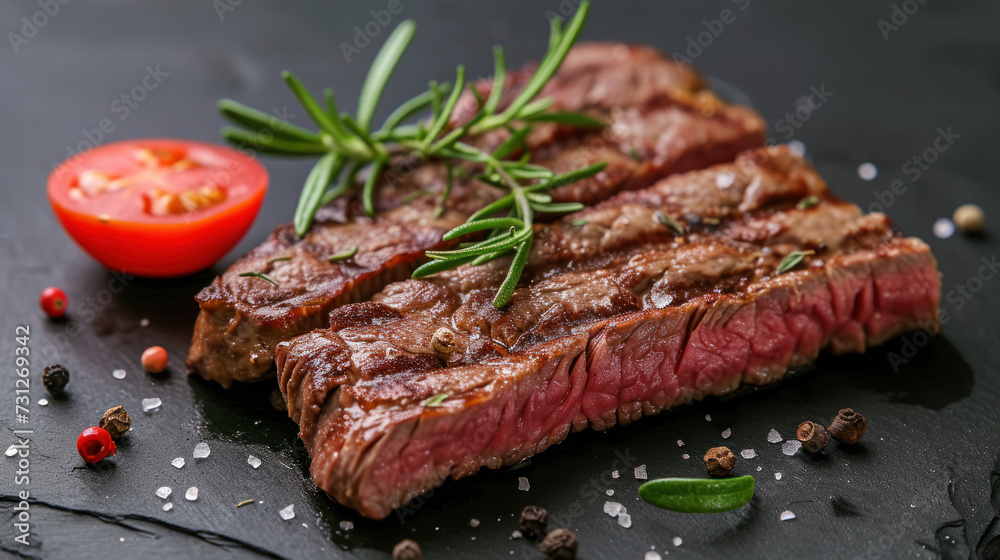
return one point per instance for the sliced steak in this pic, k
(614, 319)
(660, 122)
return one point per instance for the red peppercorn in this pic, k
(94, 444)
(53, 302)
(154, 359)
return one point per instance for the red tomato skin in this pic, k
(160, 249)
(53, 302)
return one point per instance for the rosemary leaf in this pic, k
(368, 193)
(343, 255)
(385, 62)
(436, 400)
(513, 275)
(260, 275)
(325, 170)
(669, 221)
(579, 223)
(792, 260)
(807, 202)
(278, 259)
(259, 120)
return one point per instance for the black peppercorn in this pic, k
(116, 421)
(559, 544)
(407, 549)
(813, 436)
(848, 426)
(278, 402)
(719, 461)
(55, 378)
(533, 521)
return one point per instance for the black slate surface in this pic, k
(919, 486)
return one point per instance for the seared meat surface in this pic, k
(617, 316)
(660, 119)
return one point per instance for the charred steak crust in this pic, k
(661, 122)
(614, 319)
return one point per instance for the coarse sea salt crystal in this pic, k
(346, 525)
(748, 453)
(163, 492)
(685, 456)
(708, 417)
(253, 461)
(773, 436)
(168, 506)
(287, 512)
(118, 374)
(192, 493)
(522, 484)
(178, 462)
(797, 148)
(151, 404)
(652, 555)
(777, 476)
(680, 443)
(726, 433)
(640, 472)
(202, 450)
(625, 520)
(516, 535)
(787, 515)
(867, 171)
(678, 541)
(614, 474)
(609, 492)
(791, 447)
(944, 228)
(474, 523)
(613, 508)
(11, 451)
(144, 323)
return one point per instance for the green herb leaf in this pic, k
(807, 202)
(793, 260)
(260, 275)
(343, 255)
(436, 400)
(574, 119)
(325, 170)
(385, 62)
(698, 495)
(669, 221)
(278, 259)
(259, 120)
(579, 223)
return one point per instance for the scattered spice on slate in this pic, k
(94, 444)
(55, 378)
(533, 521)
(813, 436)
(245, 502)
(719, 461)
(407, 549)
(848, 426)
(559, 544)
(787, 515)
(116, 421)
(969, 218)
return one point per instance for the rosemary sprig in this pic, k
(343, 255)
(513, 233)
(346, 144)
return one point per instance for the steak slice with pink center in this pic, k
(616, 317)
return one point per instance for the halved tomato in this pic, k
(158, 207)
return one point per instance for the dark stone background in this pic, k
(919, 485)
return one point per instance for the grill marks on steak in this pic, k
(614, 320)
(661, 123)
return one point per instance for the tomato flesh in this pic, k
(158, 207)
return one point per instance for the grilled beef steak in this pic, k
(614, 319)
(661, 121)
